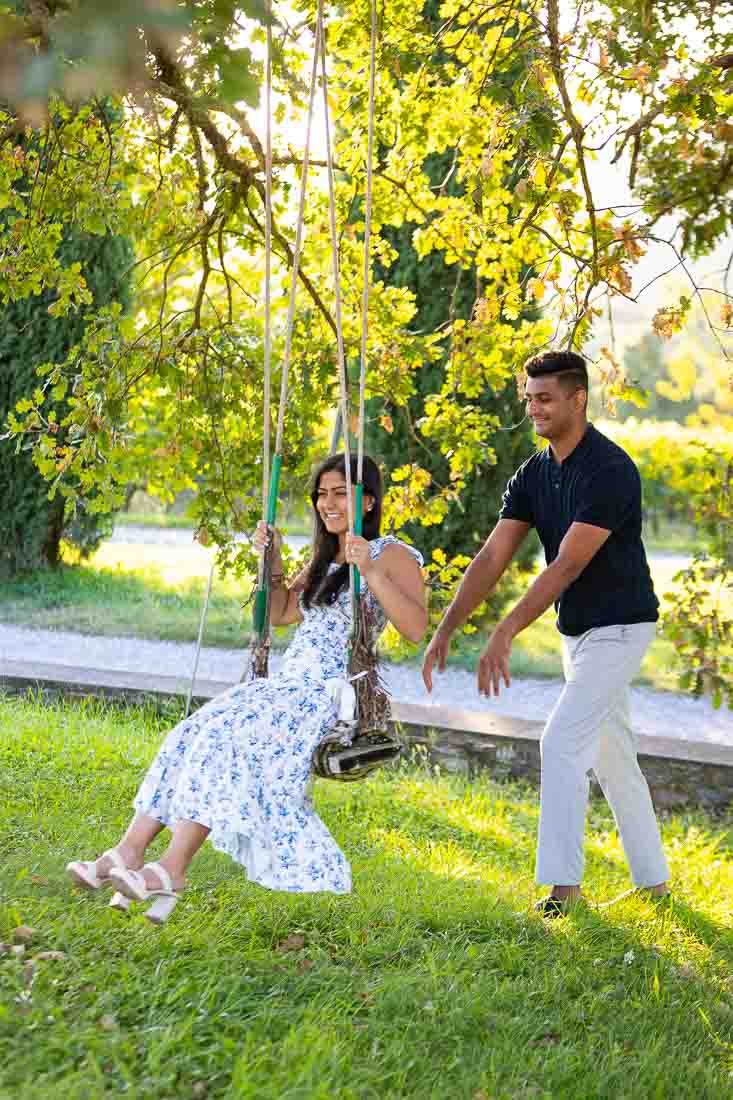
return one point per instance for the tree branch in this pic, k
(171, 86)
(576, 130)
(636, 127)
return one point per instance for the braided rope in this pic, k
(367, 243)
(267, 372)
(271, 476)
(343, 382)
(297, 248)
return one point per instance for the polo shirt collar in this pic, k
(577, 452)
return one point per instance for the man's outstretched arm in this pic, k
(581, 543)
(479, 581)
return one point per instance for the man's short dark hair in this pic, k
(570, 368)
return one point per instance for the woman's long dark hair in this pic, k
(323, 587)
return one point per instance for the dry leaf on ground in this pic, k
(294, 942)
(24, 934)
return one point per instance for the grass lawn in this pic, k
(149, 591)
(292, 525)
(433, 980)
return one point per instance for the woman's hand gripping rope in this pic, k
(357, 553)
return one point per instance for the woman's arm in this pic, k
(284, 608)
(395, 579)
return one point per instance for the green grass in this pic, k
(433, 980)
(671, 537)
(164, 520)
(159, 520)
(138, 602)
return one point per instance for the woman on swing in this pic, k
(237, 770)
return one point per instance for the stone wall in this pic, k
(679, 772)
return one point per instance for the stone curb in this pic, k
(679, 772)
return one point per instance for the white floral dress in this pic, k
(240, 766)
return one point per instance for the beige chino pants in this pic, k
(590, 730)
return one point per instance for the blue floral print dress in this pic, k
(241, 765)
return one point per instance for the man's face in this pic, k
(550, 407)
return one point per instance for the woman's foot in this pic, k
(94, 874)
(152, 882)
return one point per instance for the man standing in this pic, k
(583, 495)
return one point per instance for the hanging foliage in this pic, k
(525, 97)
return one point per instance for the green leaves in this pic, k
(239, 77)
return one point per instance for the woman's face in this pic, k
(331, 502)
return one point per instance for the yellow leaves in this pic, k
(614, 383)
(629, 237)
(671, 319)
(609, 366)
(619, 278)
(486, 310)
(663, 323)
(640, 73)
(402, 473)
(723, 131)
(541, 73)
(539, 176)
(585, 92)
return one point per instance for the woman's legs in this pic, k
(141, 831)
(187, 837)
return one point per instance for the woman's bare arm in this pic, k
(395, 579)
(284, 606)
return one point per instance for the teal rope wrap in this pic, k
(358, 526)
(262, 595)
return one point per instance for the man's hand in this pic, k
(436, 651)
(494, 662)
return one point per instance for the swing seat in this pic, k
(348, 755)
(359, 740)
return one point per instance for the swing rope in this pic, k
(349, 752)
(367, 281)
(262, 595)
(340, 356)
(271, 478)
(366, 744)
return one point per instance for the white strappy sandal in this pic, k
(132, 885)
(83, 873)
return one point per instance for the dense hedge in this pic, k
(31, 525)
(675, 464)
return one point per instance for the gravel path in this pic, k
(656, 713)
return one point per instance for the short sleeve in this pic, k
(610, 497)
(376, 546)
(516, 503)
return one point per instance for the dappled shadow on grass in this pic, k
(432, 979)
(481, 822)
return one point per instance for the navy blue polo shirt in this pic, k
(598, 484)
